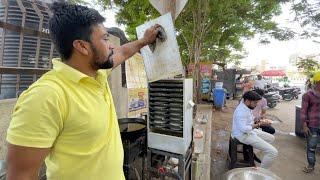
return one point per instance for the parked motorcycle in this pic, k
(272, 99)
(287, 94)
(271, 89)
(297, 92)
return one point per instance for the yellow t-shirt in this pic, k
(74, 115)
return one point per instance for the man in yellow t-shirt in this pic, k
(67, 118)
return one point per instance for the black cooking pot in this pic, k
(128, 133)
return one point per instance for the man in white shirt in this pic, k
(245, 130)
(259, 83)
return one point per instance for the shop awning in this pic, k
(273, 73)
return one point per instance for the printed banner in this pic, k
(137, 101)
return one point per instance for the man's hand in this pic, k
(265, 122)
(151, 34)
(306, 130)
(125, 51)
(256, 120)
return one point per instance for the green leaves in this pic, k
(210, 28)
(307, 13)
(308, 64)
(133, 13)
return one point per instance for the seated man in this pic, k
(259, 112)
(245, 130)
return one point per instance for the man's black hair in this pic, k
(251, 96)
(70, 22)
(261, 92)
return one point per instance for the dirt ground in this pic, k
(6, 107)
(292, 149)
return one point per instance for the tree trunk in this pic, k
(197, 76)
(198, 82)
(199, 30)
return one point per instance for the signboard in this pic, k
(135, 72)
(137, 87)
(164, 62)
(137, 101)
(165, 6)
(205, 69)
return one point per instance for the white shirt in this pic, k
(242, 121)
(260, 84)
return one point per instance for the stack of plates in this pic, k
(166, 105)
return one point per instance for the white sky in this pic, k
(108, 14)
(276, 53)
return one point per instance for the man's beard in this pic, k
(99, 62)
(250, 107)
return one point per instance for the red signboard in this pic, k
(205, 69)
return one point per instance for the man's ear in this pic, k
(82, 47)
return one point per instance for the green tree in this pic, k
(82, 2)
(209, 29)
(133, 13)
(307, 13)
(308, 65)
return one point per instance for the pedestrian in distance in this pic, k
(260, 83)
(310, 118)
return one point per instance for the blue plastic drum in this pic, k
(219, 97)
